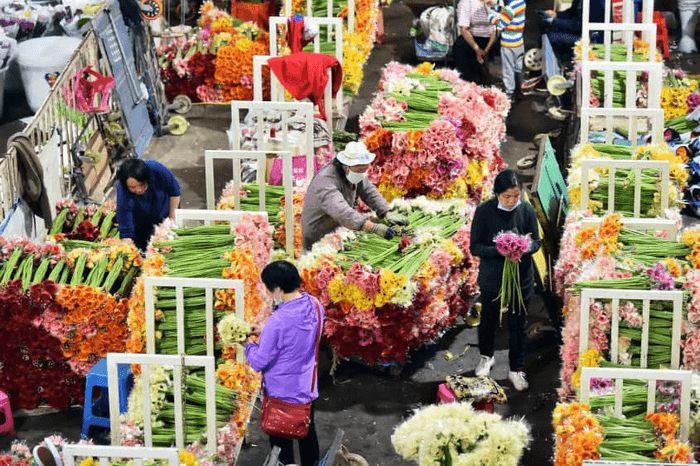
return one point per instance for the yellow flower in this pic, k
(87, 462)
(186, 458)
(425, 68)
(244, 44)
(336, 289)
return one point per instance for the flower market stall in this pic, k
(64, 304)
(238, 251)
(434, 134)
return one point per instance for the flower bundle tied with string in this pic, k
(512, 247)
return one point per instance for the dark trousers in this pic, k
(517, 341)
(308, 447)
(465, 58)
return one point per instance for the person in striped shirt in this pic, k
(477, 36)
(510, 20)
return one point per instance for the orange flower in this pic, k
(415, 139)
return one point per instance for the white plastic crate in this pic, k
(258, 109)
(209, 285)
(636, 165)
(103, 453)
(329, 11)
(287, 181)
(640, 224)
(639, 121)
(178, 363)
(335, 33)
(652, 375)
(589, 295)
(209, 216)
(276, 88)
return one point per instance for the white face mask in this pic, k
(276, 303)
(502, 207)
(354, 177)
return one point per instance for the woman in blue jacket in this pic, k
(147, 194)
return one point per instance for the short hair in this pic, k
(133, 168)
(506, 180)
(281, 274)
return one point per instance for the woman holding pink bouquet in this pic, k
(504, 235)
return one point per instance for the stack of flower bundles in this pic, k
(625, 179)
(386, 297)
(237, 251)
(434, 134)
(614, 256)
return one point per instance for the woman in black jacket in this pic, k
(505, 212)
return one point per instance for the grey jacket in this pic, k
(330, 203)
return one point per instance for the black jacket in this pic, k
(488, 222)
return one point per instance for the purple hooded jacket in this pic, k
(286, 350)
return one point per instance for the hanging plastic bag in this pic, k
(87, 86)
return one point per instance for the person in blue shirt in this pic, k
(147, 194)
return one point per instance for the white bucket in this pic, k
(36, 58)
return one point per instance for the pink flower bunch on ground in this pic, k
(512, 245)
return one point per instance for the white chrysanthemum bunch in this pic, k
(233, 329)
(469, 437)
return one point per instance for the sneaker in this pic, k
(518, 380)
(484, 367)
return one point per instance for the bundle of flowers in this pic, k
(274, 206)
(92, 222)
(216, 251)
(25, 20)
(64, 312)
(598, 180)
(214, 63)
(357, 45)
(586, 432)
(679, 95)
(386, 297)
(455, 433)
(433, 134)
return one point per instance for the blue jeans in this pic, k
(512, 59)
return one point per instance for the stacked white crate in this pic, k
(652, 116)
(181, 360)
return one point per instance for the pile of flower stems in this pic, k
(381, 253)
(273, 196)
(194, 410)
(31, 268)
(422, 103)
(106, 223)
(649, 249)
(197, 252)
(624, 438)
(681, 124)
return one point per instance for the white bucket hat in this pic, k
(355, 153)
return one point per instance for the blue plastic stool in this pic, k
(97, 378)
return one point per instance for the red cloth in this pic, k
(304, 74)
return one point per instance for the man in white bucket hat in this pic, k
(332, 194)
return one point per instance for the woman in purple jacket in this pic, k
(286, 352)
